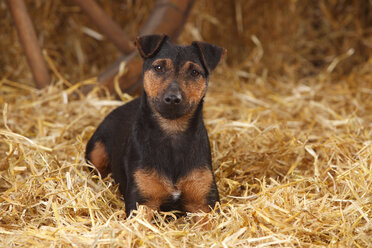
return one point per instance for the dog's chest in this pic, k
(154, 185)
(176, 195)
(172, 157)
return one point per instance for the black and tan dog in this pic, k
(156, 146)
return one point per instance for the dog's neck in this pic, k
(168, 126)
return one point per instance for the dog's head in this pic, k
(176, 77)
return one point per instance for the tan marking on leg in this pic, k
(99, 157)
(153, 187)
(195, 188)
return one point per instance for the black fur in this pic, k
(211, 55)
(134, 139)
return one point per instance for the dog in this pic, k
(156, 146)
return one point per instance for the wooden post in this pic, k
(106, 25)
(168, 17)
(29, 42)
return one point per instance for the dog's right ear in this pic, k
(149, 45)
(211, 55)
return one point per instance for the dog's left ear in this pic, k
(211, 55)
(149, 45)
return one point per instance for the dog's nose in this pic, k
(173, 94)
(173, 98)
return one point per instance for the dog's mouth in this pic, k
(171, 112)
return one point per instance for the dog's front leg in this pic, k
(196, 188)
(149, 189)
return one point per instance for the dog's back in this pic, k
(106, 146)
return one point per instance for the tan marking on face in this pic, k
(154, 83)
(99, 157)
(153, 187)
(195, 188)
(195, 89)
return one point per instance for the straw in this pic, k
(288, 115)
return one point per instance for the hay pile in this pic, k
(291, 143)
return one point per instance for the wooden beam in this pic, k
(168, 17)
(29, 42)
(106, 25)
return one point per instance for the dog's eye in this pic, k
(159, 68)
(195, 73)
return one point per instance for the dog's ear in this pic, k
(149, 45)
(211, 55)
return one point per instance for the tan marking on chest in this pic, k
(174, 126)
(99, 157)
(193, 189)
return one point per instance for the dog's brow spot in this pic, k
(166, 62)
(189, 64)
(99, 157)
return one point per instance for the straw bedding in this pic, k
(291, 145)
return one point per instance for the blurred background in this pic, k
(275, 38)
